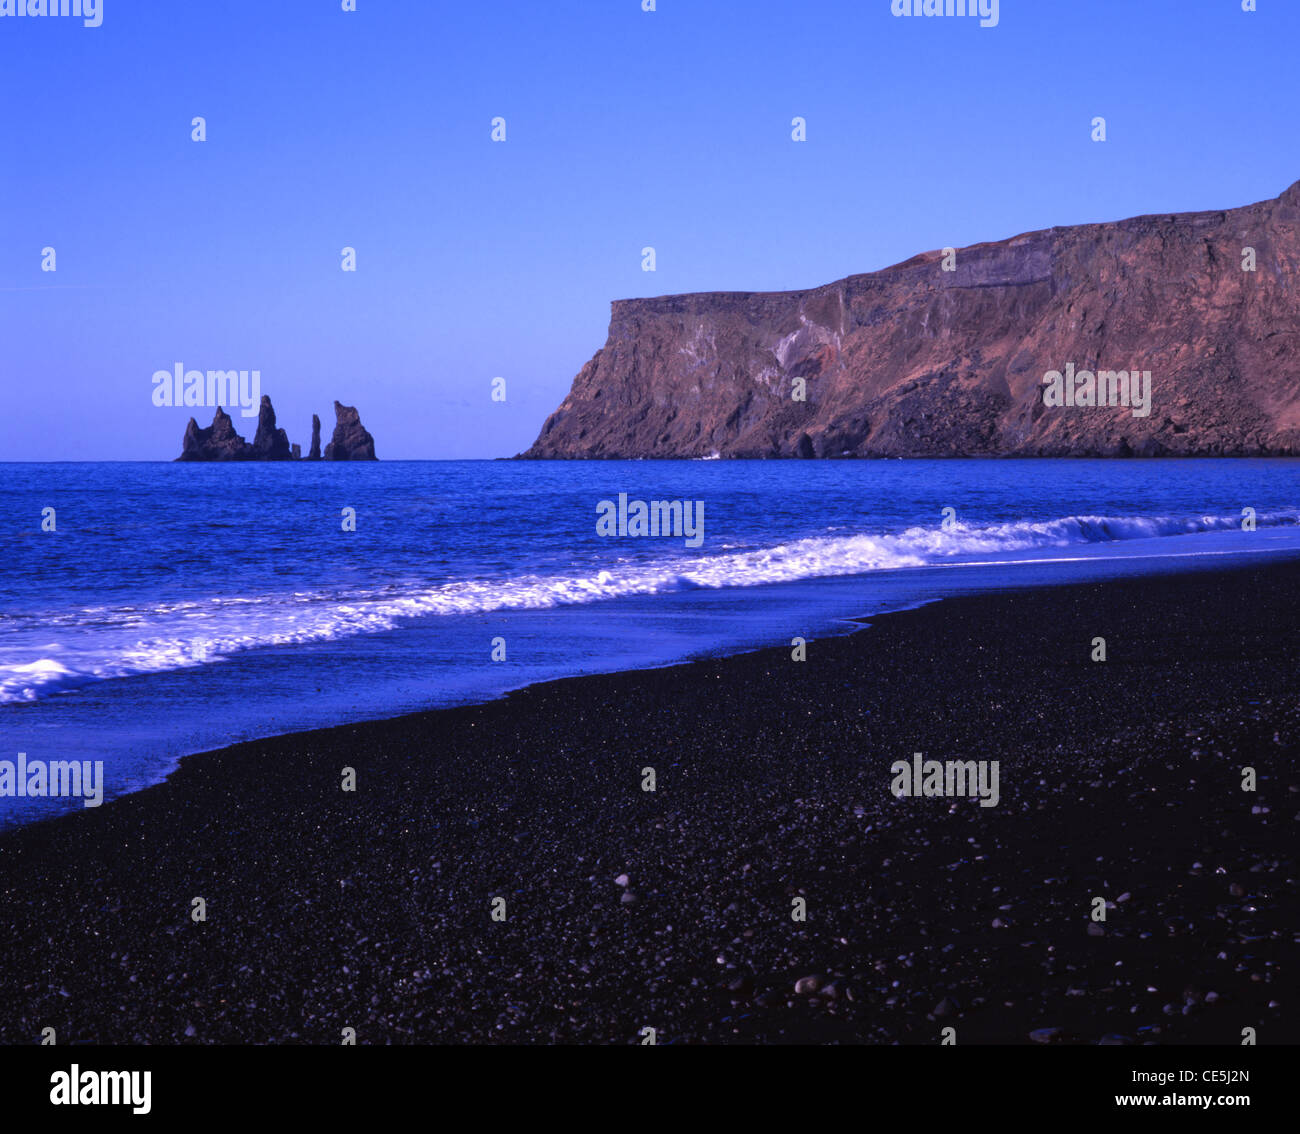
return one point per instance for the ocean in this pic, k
(179, 608)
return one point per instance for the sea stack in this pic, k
(270, 444)
(219, 442)
(350, 442)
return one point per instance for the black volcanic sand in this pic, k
(370, 909)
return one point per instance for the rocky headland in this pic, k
(945, 355)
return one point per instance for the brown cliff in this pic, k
(915, 361)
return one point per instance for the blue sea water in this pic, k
(179, 608)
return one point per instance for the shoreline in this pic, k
(370, 909)
(835, 626)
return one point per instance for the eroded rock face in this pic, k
(314, 453)
(915, 361)
(219, 442)
(350, 442)
(270, 444)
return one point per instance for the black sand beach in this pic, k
(371, 909)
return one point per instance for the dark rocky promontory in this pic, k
(945, 356)
(220, 441)
(351, 441)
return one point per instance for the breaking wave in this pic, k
(49, 653)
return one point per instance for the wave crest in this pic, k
(100, 643)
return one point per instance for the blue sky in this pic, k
(625, 129)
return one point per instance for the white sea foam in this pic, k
(97, 643)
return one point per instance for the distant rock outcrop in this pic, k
(350, 442)
(220, 442)
(947, 354)
(270, 444)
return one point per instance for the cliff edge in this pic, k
(946, 355)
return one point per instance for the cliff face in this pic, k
(916, 361)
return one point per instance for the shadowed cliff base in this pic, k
(945, 354)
